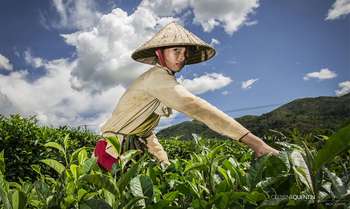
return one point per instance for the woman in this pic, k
(156, 92)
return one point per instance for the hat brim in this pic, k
(200, 54)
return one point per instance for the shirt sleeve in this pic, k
(156, 149)
(174, 95)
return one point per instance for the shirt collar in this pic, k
(170, 72)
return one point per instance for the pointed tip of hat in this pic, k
(173, 23)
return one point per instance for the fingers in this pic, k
(266, 150)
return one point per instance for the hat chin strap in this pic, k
(160, 56)
(161, 60)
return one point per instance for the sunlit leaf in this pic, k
(54, 164)
(2, 162)
(338, 185)
(18, 200)
(142, 186)
(55, 146)
(66, 142)
(302, 171)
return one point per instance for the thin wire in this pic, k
(226, 111)
(236, 110)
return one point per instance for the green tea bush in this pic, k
(22, 140)
(202, 174)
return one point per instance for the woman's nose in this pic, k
(181, 58)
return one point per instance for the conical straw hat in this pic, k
(174, 34)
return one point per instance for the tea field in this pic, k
(45, 167)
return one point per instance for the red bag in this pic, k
(104, 160)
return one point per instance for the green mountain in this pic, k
(320, 115)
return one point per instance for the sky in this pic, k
(68, 61)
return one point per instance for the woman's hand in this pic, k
(258, 145)
(265, 149)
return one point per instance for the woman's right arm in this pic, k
(176, 96)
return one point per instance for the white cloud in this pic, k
(214, 42)
(230, 14)
(165, 7)
(104, 53)
(80, 14)
(35, 62)
(5, 63)
(6, 106)
(339, 8)
(204, 83)
(53, 100)
(344, 88)
(248, 83)
(167, 121)
(251, 23)
(231, 62)
(225, 92)
(100, 70)
(323, 74)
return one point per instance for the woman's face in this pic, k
(175, 57)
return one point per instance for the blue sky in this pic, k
(69, 61)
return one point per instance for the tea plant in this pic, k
(203, 173)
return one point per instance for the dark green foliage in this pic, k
(22, 140)
(321, 115)
(204, 173)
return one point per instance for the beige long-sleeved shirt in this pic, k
(157, 91)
